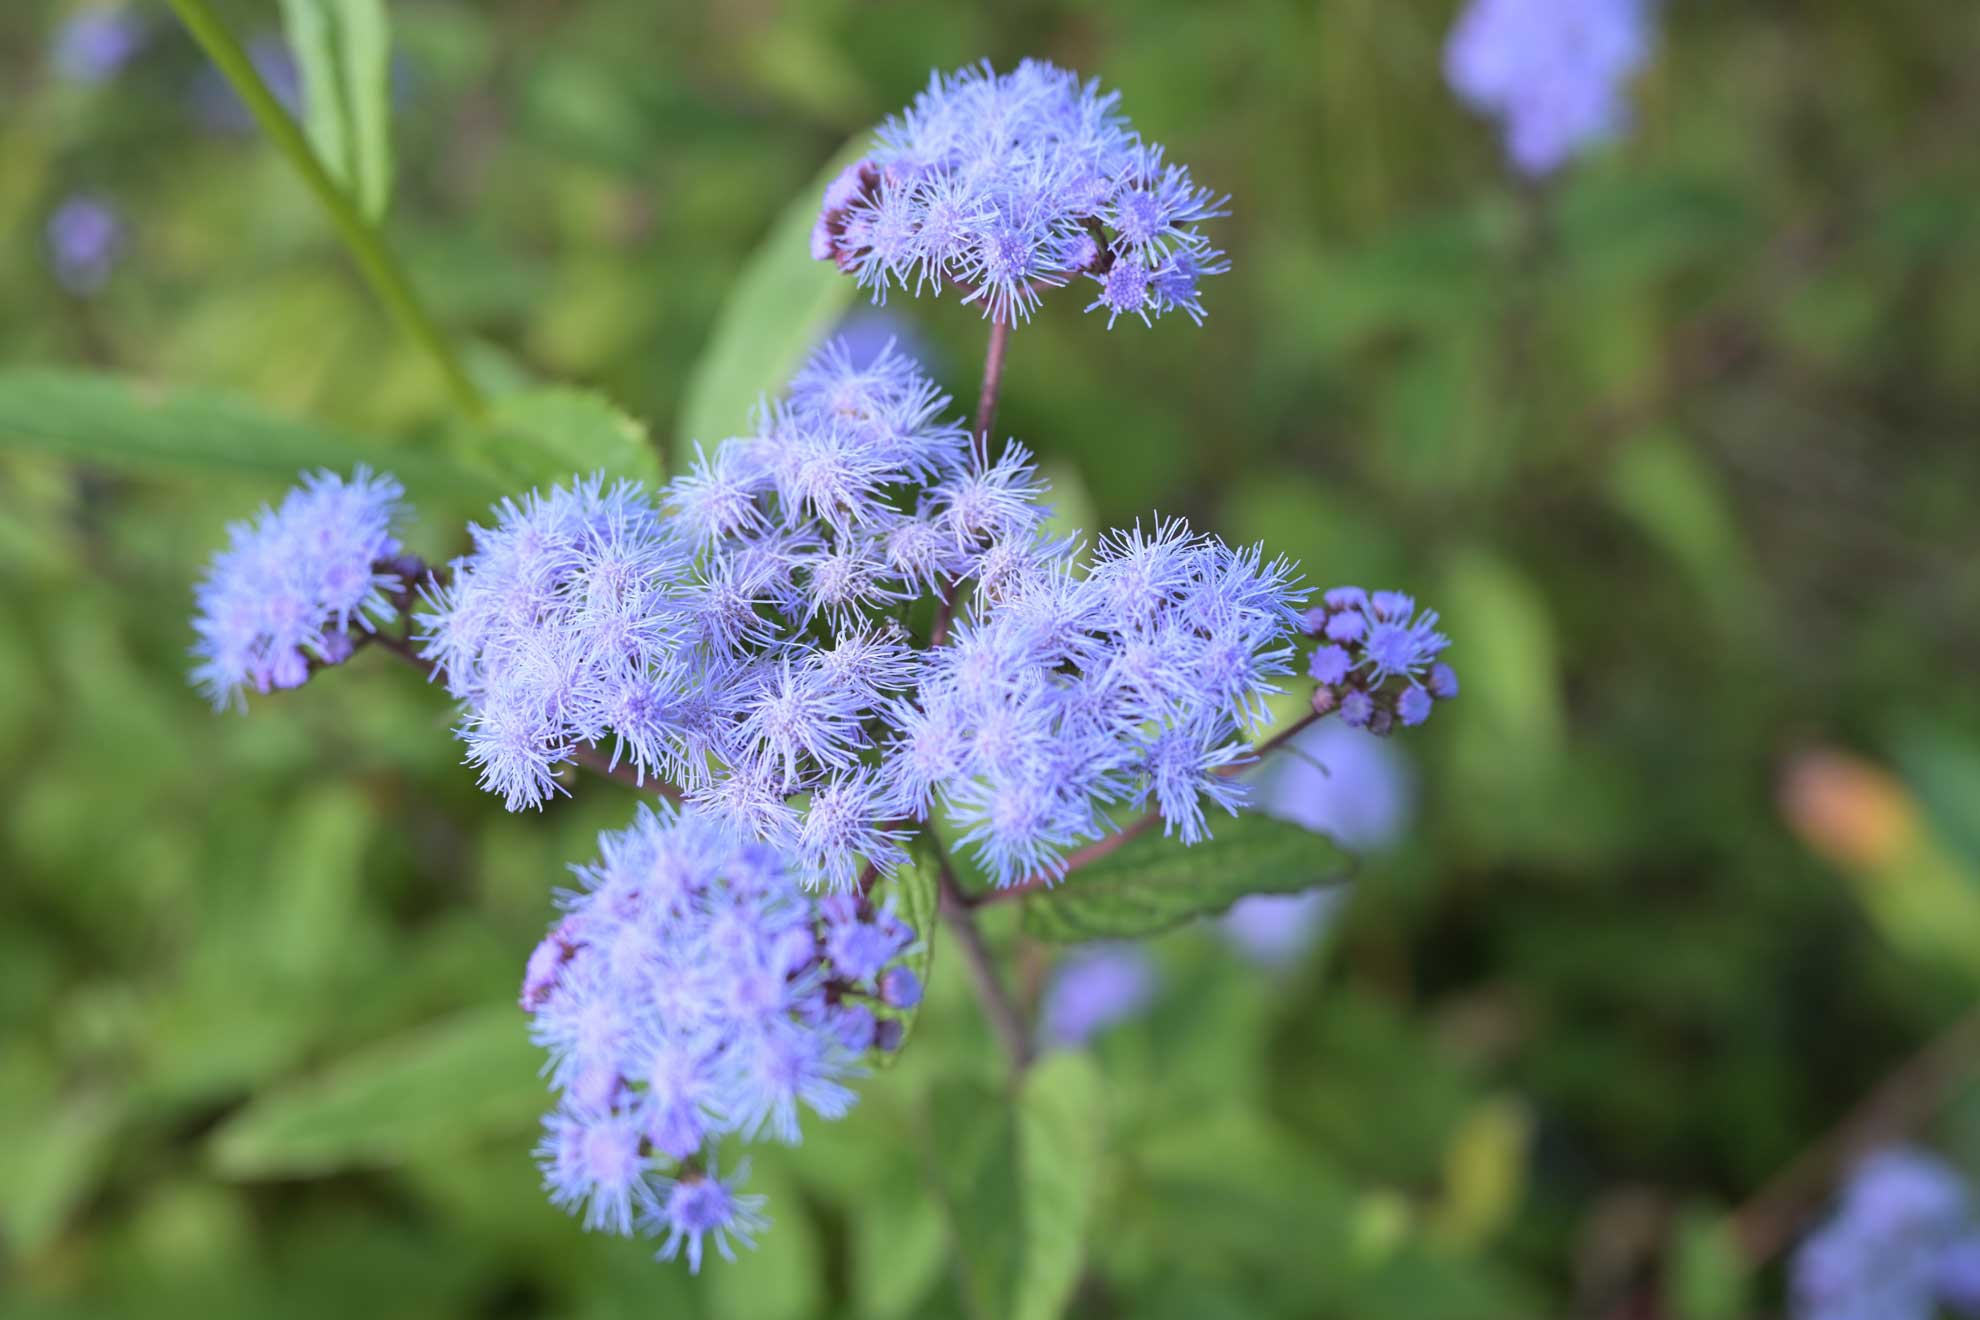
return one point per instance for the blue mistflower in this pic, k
(745, 637)
(1894, 1247)
(1004, 186)
(286, 592)
(695, 990)
(1064, 695)
(1551, 71)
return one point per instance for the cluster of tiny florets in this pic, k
(566, 625)
(1134, 684)
(1005, 185)
(696, 990)
(1903, 1242)
(293, 584)
(1553, 72)
(1377, 659)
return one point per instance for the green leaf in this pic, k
(441, 1086)
(49, 1176)
(1019, 1184)
(1704, 1275)
(552, 434)
(367, 69)
(1061, 1141)
(1151, 883)
(86, 417)
(916, 900)
(344, 53)
(783, 304)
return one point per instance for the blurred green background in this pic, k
(1681, 443)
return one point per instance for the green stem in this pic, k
(380, 270)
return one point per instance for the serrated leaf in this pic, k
(442, 1086)
(1152, 884)
(916, 900)
(344, 55)
(553, 434)
(782, 305)
(1019, 1180)
(92, 418)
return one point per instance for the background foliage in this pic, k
(1682, 444)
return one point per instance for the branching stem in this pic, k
(381, 270)
(999, 1009)
(993, 379)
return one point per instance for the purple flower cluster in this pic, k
(695, 990)
(86, 237)
(1902, 1242)
(1005, 185)
(1098, 987)
(93, 44)
(566, 624)
(1134, 684)
(1552, 71)
(1377, 659)
(291, 585)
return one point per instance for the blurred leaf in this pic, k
(1627, 227)
(1061, 1138)
(86, 417)
(1151, 883)
(344, 54)
(784, 1278)
(782, 305)
(916, 898)
(1944, 770)
(444, 1085)
(1444, 268)
(1704, 1276)
(1680, 503)
(556, 433)
(1019, 1183)
(50, 1172)
(1484, 1173)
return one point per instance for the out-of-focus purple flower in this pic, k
(219, 110)
(867, 331)
(1552, 72)
(1893, 1246)
(1344, 783)
(1096, 988)
(1958, 1275)
(85, 239)
(91, 45)
(1276, 930)
(1335, 780)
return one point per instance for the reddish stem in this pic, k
(1099, 848)
(993, 379)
